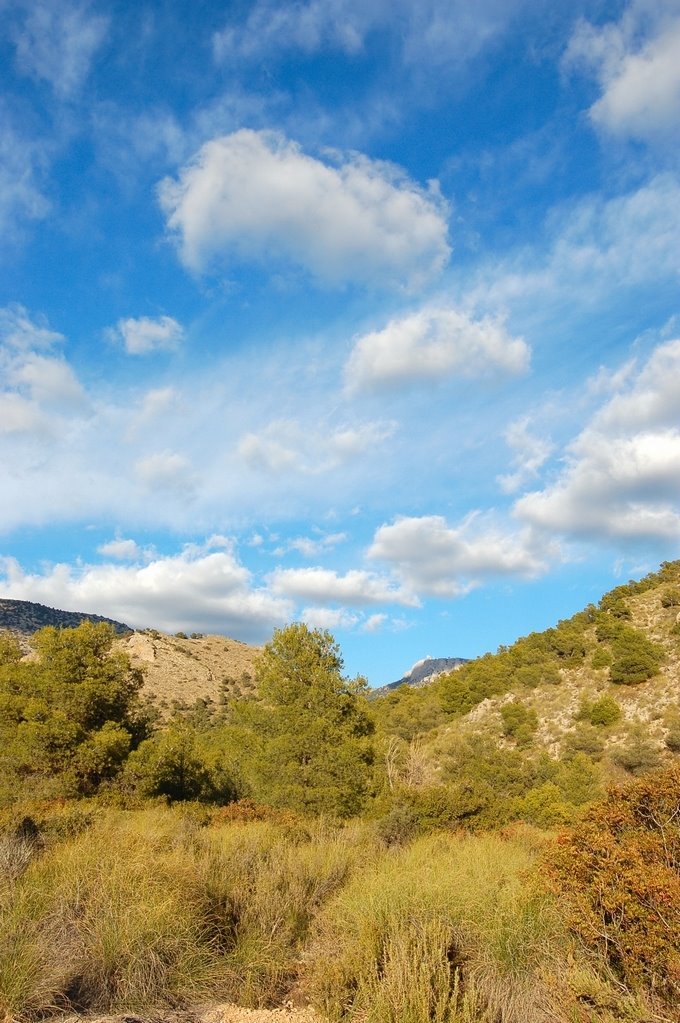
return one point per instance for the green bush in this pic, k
(601, 658)
(634, 657)
(519, 722)
(601, 713)
(170, 764)
(638, 754)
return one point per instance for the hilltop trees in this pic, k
(314, 749)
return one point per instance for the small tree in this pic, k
(315, 750)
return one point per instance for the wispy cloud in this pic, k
(285, 446)
(530, 453)
(439, 33)
(22, 164)
(56, 43)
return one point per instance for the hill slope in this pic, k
(178, 671)
(605, 684)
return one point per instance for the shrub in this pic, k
(584, 739)
(601, 658)
(638, 754)
(171, 765)
(618, 876)
(671, 597)
(602, 712)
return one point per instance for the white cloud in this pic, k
(120, 549)
(621, 477)
(19, 331)
(635, 61)
(432, 557)
(328, 618)
(50, 382)
(286, 446)
(197, 590)
(18, 415)
(356, 588)
(145, 335)
(530, 454)
(433, 343)
(57, 41)
(166, 470)
(255, 196)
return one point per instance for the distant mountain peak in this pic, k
(424, 671)
(27, 617)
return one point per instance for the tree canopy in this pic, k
(315, 749)
(69, 717)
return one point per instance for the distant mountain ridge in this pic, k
(27, 617)
(424, 671)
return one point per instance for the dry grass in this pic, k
(149, 908)
(445, 931)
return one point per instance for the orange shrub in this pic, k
(618, 874)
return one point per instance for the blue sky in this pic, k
(360, 313)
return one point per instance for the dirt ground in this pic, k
(234, 1014)
(224, 1013)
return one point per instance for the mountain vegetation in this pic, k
(501, 845)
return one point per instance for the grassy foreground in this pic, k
(110, 910)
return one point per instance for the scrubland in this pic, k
(502, 846)
(136, 910)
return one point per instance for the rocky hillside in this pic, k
(179, 670)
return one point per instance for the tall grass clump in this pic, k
(446, 931)
(268, 884)
(110, 919)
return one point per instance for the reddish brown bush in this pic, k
(618, 873)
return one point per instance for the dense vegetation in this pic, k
(380, 858)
